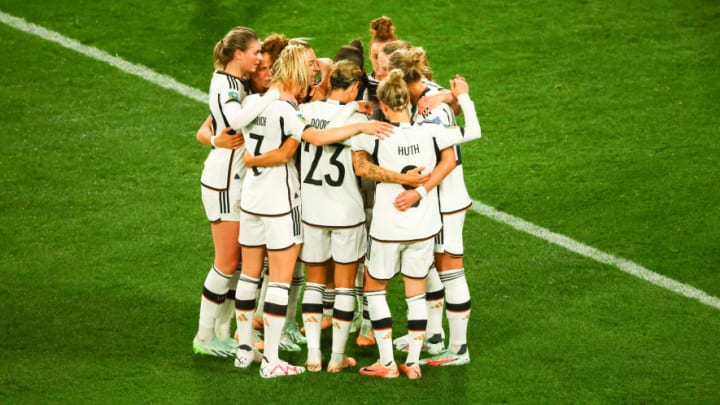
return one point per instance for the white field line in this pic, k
(169, 83)
(137, 70)
(582, 249)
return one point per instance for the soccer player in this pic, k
(382, 31)
(454, 201)
(257, 82)
(236, 55)
(270, 207)
(406, 222)
(333, 220)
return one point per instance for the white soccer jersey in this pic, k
(227, 107)
(271, 190)
(411, 146)
(454, 196)
(226, 94)
(330, 193)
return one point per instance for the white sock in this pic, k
(457, 295)
(382, 324)
(417, 322)
(226, 311)
(274, 317)
(215, 289)
(295, 289)
(434, 296)
(244, 309)
(342, 318)
(312, 309)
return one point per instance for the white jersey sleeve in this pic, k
(364, 142)
(224, 99)
(240, 117)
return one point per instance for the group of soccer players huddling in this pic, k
(330, 187)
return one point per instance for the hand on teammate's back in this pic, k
(229, 139)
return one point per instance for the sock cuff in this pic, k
(450, 275)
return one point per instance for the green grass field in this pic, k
(600, 122)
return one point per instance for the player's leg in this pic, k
(284, 240)
(381, 318)
(216, 285)
(226, 312)
(457, 294)
(282, 264)
(416, 325)
(292, 337)
(252, 241)
(366, 337)
(348, 248)
(342, 315)
(383, 264)
(328, 297)
(416, 259)
(312, 312)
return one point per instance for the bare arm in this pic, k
(365, 168)
(447, 163)
(275, 157)
(334, 135)
(320, 90)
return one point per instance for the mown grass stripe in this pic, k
(92, 52)
(519, 224)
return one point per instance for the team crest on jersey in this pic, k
(234, 95)
(301, 118)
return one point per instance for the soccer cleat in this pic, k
(366, 337)
(402, 344)
(292, 329)
(211, 347)
(380, 370)
(336, 365)
(279, 369)
(412, 371)
(287, 344)
(245, 356)
(314, 361)
(230, 343)
(448, 358)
